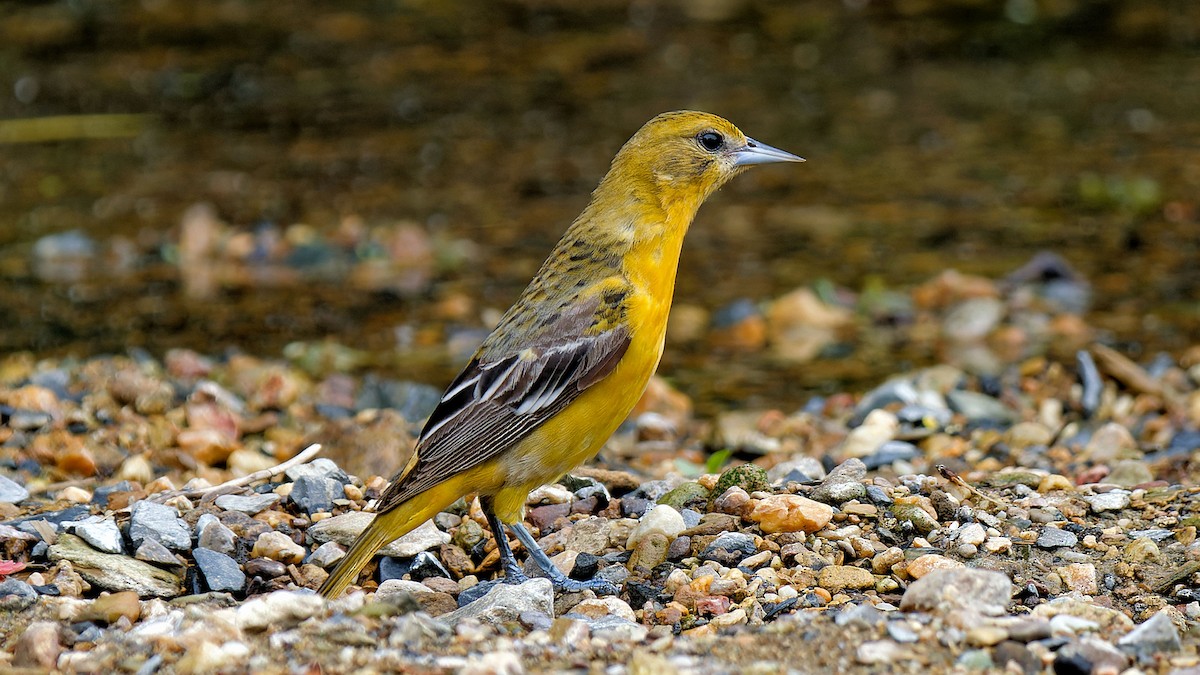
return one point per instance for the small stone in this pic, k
(687, 495)
(102, 533)
(505, 603)
(597, 607)
(972, 534)
(153, 552)
(977, 407)
(1108, 501)
(1052, 537)
(1089, 655)
(986, 636)
(879, 427)
(925, 564)
(345, 528)
(976, 590)
(661, 519)
(247, 504)
(1079, 577)
(836, 578)
(921, 519)
(151, 520)
(1106, 618)
(315, 494)
(1156, 635)
(436, 603)
(569, 632)
(16, 595)
(1110, 443)
(215, 536)
(278, 546)
(883, 561)
(327, 555)
(322, 467)
(112, 606)
(114, 572)
(221, 572)
(1141, 550)
(265, 568)
(883, 652)
(38, 647)
(791, 513)
(730, 548)
(733, 501)
(1054, 482)
(1129, 472)
(749, 477)
(278, 610)
(615, 628)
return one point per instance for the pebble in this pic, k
(791, 513)
(1080, 577)
(110, 607)
(38, 647)
(247, 504)
(1052, 537)
(102, 533)
(972, 534)
(153, 552)
(114, 572)
(213, 535)
(844, 482)
(221, 573)
(327, 555)
(278, 609)
(16, 595)
(879, 427)
(278, 546)
(730, 548)
(1108, 501)
(661, 519)
(595, 608)
(315, 493)
(1156, 635)
(977, 590)
(12, 492)
(436, 603)
(345, 528)
(264, 568)
(151, 520)
(1089, 655)
(836, 578)
(507, 602)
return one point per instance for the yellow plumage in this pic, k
(572, 356)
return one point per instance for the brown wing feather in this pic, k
(496, 402)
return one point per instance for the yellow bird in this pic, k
(570, 359)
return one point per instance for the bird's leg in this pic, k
(560, 580)
(513, 573)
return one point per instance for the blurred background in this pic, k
(367, 185)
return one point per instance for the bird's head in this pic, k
(687, 155)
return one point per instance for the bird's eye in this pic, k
(711, 140)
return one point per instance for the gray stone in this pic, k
(843, 483)
(16, 595)
(327, 554)
(506, 602)
(900, 631)
(102, 533)
(28, 420)
(153, 552)
(1157, 634)
(344, 529)
(151, 520)
(1052, 537)
(221, 572)
(12, 492)
(1089, 655)
(247, 504)
(613, 627)
(1108, 501)
(320, 467)
(730, 548)
(975, 590)
(315, 494)
(979, 407)
(113, 572)
(278, 610)
(213, 535)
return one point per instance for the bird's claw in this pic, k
(596, 585)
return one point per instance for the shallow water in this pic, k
(965, 136)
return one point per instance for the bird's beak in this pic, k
(761, 153)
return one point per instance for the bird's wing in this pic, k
(500, 398)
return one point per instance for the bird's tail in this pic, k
(393, 523)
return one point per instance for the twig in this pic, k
(958, 480)
(264, 474)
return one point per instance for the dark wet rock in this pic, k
(421, 566)
(507, 602)
(315, 493)
(320, 467)
(635, 507)
(221, 573)
(469, 595)
(879, 495)
(248, 504)
(102, 533)
(976, 590)
(151, 520)
(1089, 655)
(843, 483)
(265, 568)
(1156, 635)
(11, 491)
(730, 548)
(1052, 537)
(113, 572)
(16, 595)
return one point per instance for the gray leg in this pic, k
(560, 580)
(513, 573)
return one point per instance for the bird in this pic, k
(569, 360)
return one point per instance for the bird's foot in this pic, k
(596, 585)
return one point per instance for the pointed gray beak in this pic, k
(761, 153)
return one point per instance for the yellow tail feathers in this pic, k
(395, 522)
